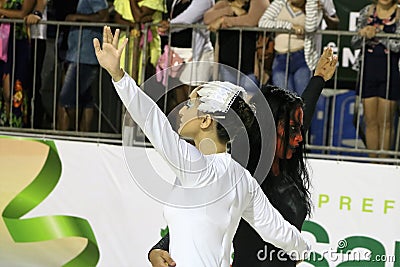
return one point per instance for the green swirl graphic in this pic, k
(48, 227)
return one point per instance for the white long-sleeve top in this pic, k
(202, 236)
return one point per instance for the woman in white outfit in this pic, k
(202, 166)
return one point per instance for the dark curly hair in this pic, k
(228, 127)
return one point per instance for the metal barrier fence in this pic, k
(336, 131)
(43, 74)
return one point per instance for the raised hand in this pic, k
(109, 57)
(326, 65)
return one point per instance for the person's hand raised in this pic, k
(109, 57)
(326, 65)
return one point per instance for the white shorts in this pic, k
(195, 73)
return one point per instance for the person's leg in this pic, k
(37, 58)
(301, 72)
(371, 123)
(66, 109)
(279, 74)
(6, 96)
(7, 68)
(63, 118)
(86, 120)
(301, 78)
(22, 94)
(291, 82)
(385, 116)
(51, 82)
(88, 74)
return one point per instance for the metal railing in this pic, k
(106, 127)
(110, 111)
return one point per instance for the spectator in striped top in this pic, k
(302, 17)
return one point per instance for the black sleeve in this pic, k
(162, 244)
(310, 97)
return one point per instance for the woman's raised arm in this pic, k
(188, 163)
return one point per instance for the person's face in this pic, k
(295, 136)
(189, 119)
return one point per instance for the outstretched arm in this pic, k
(187, 162)
(270, 224)
(26, 8)
(141, 14)
(324, 71)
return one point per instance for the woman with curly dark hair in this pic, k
(287, 184)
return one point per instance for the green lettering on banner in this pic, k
(345, 201)
(365, 204)
(386, 206)
(321, 236)
(374, 246)
(48, 227)
(323, 199)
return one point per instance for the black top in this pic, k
(230, 43)
(182, 38)
(229, 46)
(283, 195)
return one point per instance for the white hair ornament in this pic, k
(217, 96)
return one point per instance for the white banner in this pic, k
(355, 205)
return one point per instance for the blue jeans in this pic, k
(87, 75)
(298, 74)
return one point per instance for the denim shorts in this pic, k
(87, 75)
(298, 74)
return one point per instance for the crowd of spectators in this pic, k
(33, 95)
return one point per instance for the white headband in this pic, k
(218, 96)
